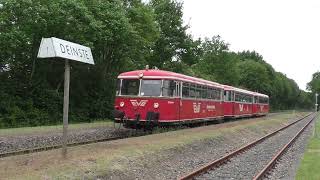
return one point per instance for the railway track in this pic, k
(51, 147)
(57, 146)
(256, 159)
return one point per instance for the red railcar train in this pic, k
(162, 97)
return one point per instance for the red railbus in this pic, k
(261, 104)
(238, 102)
(163, 97)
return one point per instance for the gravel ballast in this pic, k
(176, 162)
(247, 164)
(288, 164)
(16, 143)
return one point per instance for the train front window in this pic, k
(118, 87)
(130, 87)
(150, 88)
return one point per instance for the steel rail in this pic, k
(280, 153)
(47, 148)
(228, 156)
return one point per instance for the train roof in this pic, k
(154, 74)
(231, 88)
(262, 95)
(161, 74)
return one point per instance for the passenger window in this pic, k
(198, 91)
(192, 91)
(169, 88)
(185, 90)
(227, 95)
(204, 92)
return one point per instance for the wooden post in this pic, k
(65, 108)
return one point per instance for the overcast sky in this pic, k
(285, 32)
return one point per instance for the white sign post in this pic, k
(54, 47)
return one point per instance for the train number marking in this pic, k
(196, 107)
(141, 103)
(211, 107)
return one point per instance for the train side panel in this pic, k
(228, 107)
(193, 109)
(242, 109)
(260, 109)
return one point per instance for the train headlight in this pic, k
(156, 105)
(121, 104)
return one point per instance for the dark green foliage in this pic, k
(314, 86)
(123, 35)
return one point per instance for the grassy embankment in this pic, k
(52, 129)
(310, 164)
(97, 159)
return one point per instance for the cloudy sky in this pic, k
(285, 32)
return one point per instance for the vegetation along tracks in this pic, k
(254, 160)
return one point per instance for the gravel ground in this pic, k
(249, 163)
(288, 165)
(8, 144)
(175, 162)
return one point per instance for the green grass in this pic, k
(310, 165)
(50, 129)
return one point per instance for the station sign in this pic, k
(54, 47)
(65, 50)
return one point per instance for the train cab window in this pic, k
(185, 90)
(130, 87)
(168, 88)
(118, 87)
(150, 87)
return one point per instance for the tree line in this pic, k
(123, 35)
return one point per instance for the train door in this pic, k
(178, 96)
(255, 109)
(232, 99)
(184, 101)
(228, 103)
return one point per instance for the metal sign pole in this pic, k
(316, 105)
(65, 107)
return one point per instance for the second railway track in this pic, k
(254, 160)
(57, 146)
